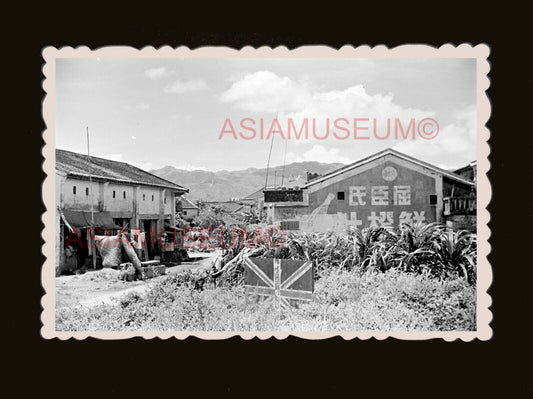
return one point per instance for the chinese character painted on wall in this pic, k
(380, 195)
(384, 219)
(354, 221)
(405, 218)
(402, 195)
(411, 217)
(357, 195)
(419, 217)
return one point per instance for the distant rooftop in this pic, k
(228, 206)
(83, 166)
(290, 185)
(186, 203)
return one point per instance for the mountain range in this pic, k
(226, 185)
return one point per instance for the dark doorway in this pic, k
(150, 228)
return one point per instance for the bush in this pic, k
(344, 301)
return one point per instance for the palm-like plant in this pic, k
(367, 243)
(457, 251)
(416, 246)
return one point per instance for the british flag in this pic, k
(283, 281)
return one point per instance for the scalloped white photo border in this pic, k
(484, 271)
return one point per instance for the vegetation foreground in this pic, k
(421, 278)
(344, 301)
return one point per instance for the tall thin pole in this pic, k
(269, 153)
(284, 158)
(92, 201)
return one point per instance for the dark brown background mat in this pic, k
(193, 366)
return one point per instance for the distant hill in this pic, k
(224, 185)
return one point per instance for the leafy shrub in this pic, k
(413, 248)
(344, 301)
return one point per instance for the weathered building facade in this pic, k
(460, 209)
(108, 195)
(387, 189)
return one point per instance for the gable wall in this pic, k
(368, 195)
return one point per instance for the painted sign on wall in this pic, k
(388, 194)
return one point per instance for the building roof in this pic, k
(469, 166)
(83, 166)
(227, 206)
(389, 151)
(256, 195)
(187, 203)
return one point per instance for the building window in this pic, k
(114, 194)
(433, 199)
(87, 191)
(144, 197)
(184, 212)
(290, 225)
(74, 190)
(165, 200)
(340, 195)
(152, 198)
(122, 222)
(124, 194)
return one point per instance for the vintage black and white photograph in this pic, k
(265, 192)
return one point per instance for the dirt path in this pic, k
(103, 286)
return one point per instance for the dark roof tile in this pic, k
(76, 164)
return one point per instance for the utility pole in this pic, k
(93, 247)
(269, 154)
(284, 159)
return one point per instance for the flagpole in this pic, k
(93, 248)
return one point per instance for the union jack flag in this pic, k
(280, 280)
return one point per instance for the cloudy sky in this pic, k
(157, 112)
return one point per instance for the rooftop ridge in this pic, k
(67, 155)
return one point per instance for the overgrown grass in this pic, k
(344, 301)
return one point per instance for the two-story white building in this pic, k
(92, 191)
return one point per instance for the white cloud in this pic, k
(455, 143)
(354, 102)
(143, 107)
(158, 73)
(264, 91)
(319, 153)
(186, 86)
